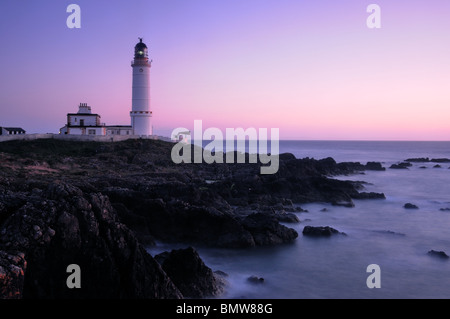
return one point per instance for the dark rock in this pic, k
(348, 204)
(403, 165)
(266, 230)
(284, 217)
(437, 166)
(440, 160)
(410, 206)
(447, 209)
(418, 160)
(65, 227)
(374, 166)
(189, 273)
(12, 274)
(320, 231)
(423, 167)
(371, 195)
(286, 157)
(439, 254)
(255, 279)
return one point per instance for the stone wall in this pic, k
(109, 138)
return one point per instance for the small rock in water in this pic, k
(403, 165)
(320, 231)
(439, 254)
(410, 206)
(255, 279)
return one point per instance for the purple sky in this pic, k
(313, 69)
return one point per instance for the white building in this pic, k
(119, 130)
(84, 122)
(11, 131)
(140, 111)
(87, 123)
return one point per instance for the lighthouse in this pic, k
(140, 111)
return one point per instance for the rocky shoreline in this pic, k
(99, 204)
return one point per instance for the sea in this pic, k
(378, 232)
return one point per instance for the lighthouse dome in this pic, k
(140, 50)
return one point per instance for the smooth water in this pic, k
(378, 232)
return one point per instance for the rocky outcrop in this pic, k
(266, 230)
(190, 274)
(96, 204)
(374, 166)
(62, 226)
(193, 202)
(410, 206)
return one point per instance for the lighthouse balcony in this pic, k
(143, 62)
(142, 113)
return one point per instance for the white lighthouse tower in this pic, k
(140, 111)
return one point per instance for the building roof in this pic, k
(9, 129)
(83, 114)
(141, 45)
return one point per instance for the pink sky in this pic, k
(310, 68)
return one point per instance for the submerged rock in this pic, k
(389, 232)
(317, 231)
(439, 254)
(371, 195)
(410, 206)
(255, 279)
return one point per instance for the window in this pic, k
(91, 132)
